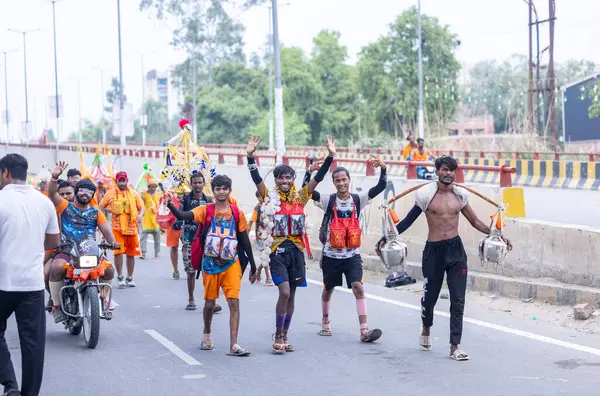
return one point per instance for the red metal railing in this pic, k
(535, 155)
(505, 171)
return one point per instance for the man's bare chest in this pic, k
(444, 204)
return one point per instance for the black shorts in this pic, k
(287, 265)
(333, 269)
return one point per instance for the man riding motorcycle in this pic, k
(78, 222)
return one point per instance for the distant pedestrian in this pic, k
(28, 226)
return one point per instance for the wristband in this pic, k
(254, 170)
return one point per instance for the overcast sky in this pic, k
(88, 45)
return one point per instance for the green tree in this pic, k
(158, 128)
(91, 133)
(302, 90)
(205, 30)
(113, 95)
(388, 72)
(296, 131)
(337, 115)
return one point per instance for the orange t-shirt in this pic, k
(108, 202)
(200, 217)
(417, 156)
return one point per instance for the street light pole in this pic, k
(271, 148)
(57, 101)
(194, 120)
(122, 132)
(6, 119)
(280, 130)
(421, 116)
(24, 33)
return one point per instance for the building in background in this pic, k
(577, 99)
(158, 86)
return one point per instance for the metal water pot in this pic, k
(394, 253)
(492, 249)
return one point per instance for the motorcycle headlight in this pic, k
(88, 262)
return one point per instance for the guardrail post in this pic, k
(517, 155)
(481, 154)
(307, 160)
(556, 156)
(499, 154)
(460, 175)
(370, 169)
(257, 160)
(240, 159)
(411, 171)
(286, 160)
(591, 158)
(221, 158)
(505, 176)
(536, 156)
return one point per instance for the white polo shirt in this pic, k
(26, 216)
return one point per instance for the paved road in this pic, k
(578, 207)
(129, 361)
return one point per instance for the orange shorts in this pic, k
(130, 244)
(230, 280)
(173, 237)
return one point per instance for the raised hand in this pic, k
(330, 145)
(316, 165)
(252, 145)
(59, 169)
(377, 162)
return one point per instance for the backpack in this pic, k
(197, 248)
(329, 212)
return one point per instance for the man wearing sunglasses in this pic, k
(78, 221)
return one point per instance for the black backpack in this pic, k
(329, 213)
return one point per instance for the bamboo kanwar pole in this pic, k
(402, 194)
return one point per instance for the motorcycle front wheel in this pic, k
(91, 316)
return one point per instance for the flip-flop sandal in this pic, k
(239, 351)
(206, 345)
(425, 343)
(325, 332)
(190, 307)
(372, 335)
(288, 347)
(278, 349)
(459, 355)
(325, 329)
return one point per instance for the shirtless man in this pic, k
(442, 203)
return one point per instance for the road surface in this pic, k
(151, 348)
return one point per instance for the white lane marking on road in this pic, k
(194, 376)
(541, 378)
(509, 330)
(116, 304)
(173, 348)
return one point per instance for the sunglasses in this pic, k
(85, 191)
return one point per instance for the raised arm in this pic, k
(53, 184)
(180, 215)
(380, 186)
(323, 169)
(256, 178)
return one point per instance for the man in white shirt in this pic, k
(341, 237)
(28, 227)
